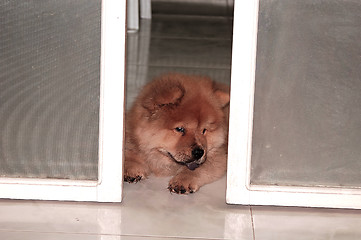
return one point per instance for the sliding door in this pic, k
(61, 99)
(295, 120)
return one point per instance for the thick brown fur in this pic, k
(178, 127)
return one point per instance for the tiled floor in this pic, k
(148, 210)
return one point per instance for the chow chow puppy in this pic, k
(178, 127)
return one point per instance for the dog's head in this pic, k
(185, 119)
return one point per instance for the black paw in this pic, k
(130, 179)
(179, 189)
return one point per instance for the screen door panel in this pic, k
(307, 107)
(49, 88)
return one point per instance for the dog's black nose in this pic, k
(197, 153)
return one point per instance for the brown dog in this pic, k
(178, 127)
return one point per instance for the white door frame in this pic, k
(109, 186)
(239, 189)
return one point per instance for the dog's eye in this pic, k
(204, 131)
(180, 129)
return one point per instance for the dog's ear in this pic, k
(164, 95)
(221, 91)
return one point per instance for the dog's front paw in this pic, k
(134, 172)
(133, 175)
(132, 179)
(182, 185)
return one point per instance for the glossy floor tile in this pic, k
(183, 26)
(65, 236)
(194, 7)
(57, 236)
(276, 223)
(200, 215)
(148, 209)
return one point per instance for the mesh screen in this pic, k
(307, 114)
(49, 88)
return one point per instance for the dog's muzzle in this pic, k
(197, 154)
(194, 162)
